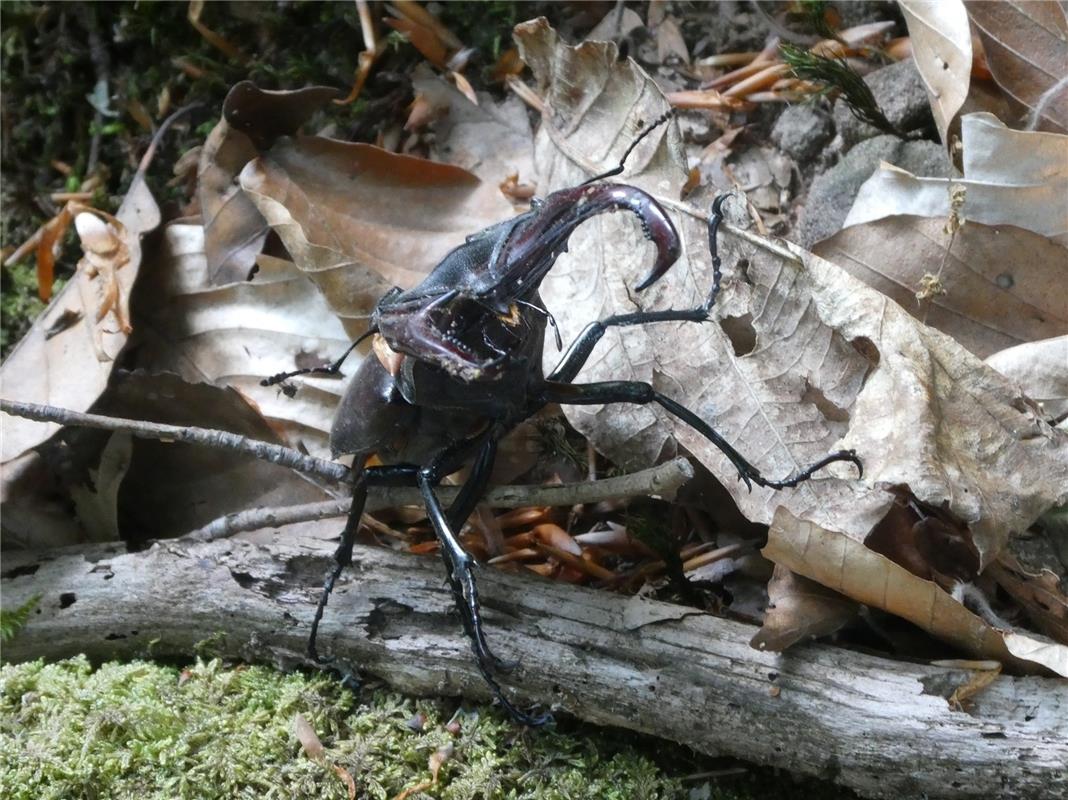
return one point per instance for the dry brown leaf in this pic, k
(1040, 594)
(358, 238)
(422, 38)
(800, 359)
(237, 334)
(847, 566)
(252, 120)
(1026, 46)
(998, 285)
(193, 14)
(942, 48)
(1002, 284)
(800, 609)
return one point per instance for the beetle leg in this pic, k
(462, 508)
(460, 565)
(333, 369)
(579, 351)
(403, 475)
(642, 394)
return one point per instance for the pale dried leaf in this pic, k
(670, 46)
(1026, 45)
(1041, 370)
(1011, 178)
(65, 369)
(800, 609)
(358, 238)
(800, 359)
(1002, 284)
(640, 611)
(847, 566)
(308, 738)
(616, 25)
(96, 503)
(1051, 655)
(235, 335)
(942, 48)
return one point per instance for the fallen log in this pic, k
(884, 728)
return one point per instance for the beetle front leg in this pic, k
(332, 369)
(579, 351)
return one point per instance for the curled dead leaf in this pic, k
(800, 609)
(847, 566)
(942, 47)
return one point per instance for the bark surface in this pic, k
(882, 727)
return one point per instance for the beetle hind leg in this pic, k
(640, 393)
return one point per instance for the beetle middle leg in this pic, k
(640, 393)
(459, 562)
(403, 475)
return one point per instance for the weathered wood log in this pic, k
(884, 728)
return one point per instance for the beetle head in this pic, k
(478, 312)
(462, 335)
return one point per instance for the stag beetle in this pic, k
(458, 365)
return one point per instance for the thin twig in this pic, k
(98, 54)
(208, 437)
(662, 480)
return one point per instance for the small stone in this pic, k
(801, 131)
(899, 92)
(832, 193)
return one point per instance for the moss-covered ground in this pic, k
(141, 731)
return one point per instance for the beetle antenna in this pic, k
(618, 169)
(333, 369)
(548, 316)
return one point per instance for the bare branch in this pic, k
(208, 437)
(662, 480)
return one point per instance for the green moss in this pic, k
(142, 731)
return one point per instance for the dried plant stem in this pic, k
(527, 95)
(223, 440)
(662, 480)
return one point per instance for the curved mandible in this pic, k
(533, 246)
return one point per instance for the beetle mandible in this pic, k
(459, 364)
